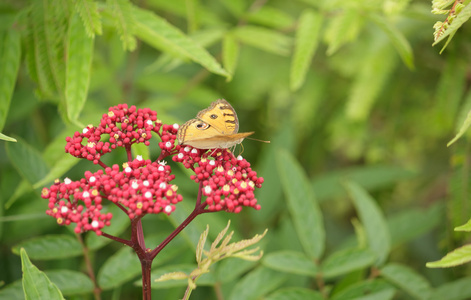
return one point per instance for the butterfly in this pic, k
(214, 127)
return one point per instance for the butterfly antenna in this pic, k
(268, 142)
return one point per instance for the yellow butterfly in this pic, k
(214, 127)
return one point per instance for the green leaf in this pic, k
(36, 285)
(121, 10)
(121, 267)
(465, 227)
(45, 45)
(264, 39)
(62, 165)
(397, 39)
(71, 282)
(373, 220)
(306, 42)
(27, 161)
(456, 257)
(408, 280)
(160, 34)
(167, 62)
(230, 53)
(462, 17)
(7, 138)
(410, 224)
(272, 17)
(302, 205)
(256, 284)
(370, 79)
(10, 54)
(91, 19)
(345, 261)
(272, 199)
(50, 247)
(294, 293)
(12, 291)
(228, 270)
(344, 27)
(376, 289)
(291, 262)
(372, 178)
(78, 67)
(205, 279)
(455, 290)
(462, 130)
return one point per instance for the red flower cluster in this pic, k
(228, 182)
(124, 126)
(142, 187)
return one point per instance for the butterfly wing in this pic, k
(201, 135)
(221, 116)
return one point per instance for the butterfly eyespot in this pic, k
(213, 116)
(202, 125)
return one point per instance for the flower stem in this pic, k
(198, 210)
(88, 263)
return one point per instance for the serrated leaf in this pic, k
(50, 247)
(397, 39)
(345, 261)
(121, 11)
(172, 276)
(256, 284)
(230, 53)
(264, 39)
(27, 161)
(294, 293)
(119, 268)
(10, 54)
(462, 17)
(291, 262)
(78, 67)
(306, 42)
(372, 218)
(408, 280)
(200, 246)
(91, 19)
(160, 34)
(71, 282)
(204, 280)
(46, 48)
(456, 257)
(302, 205)
(36, 284)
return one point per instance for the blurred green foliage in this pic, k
(360, 188)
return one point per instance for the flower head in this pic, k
(122, 126)
(140, 187)
(228, 181)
